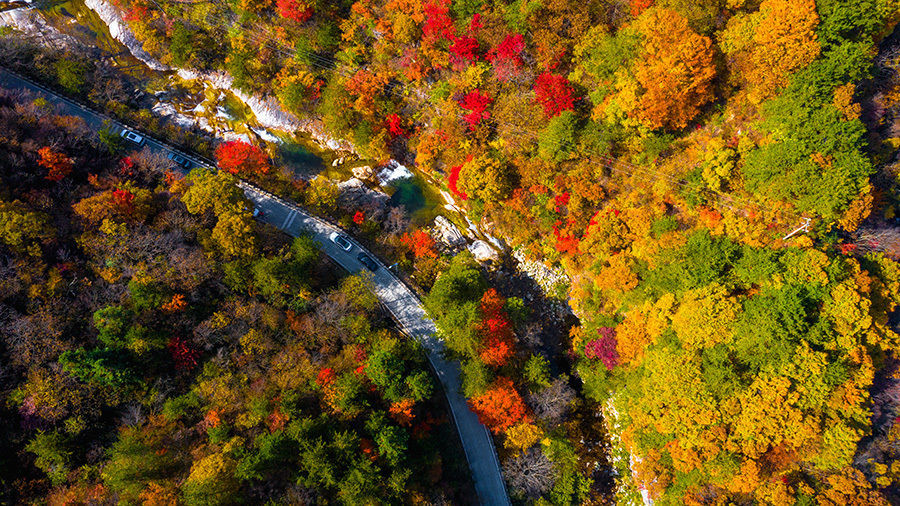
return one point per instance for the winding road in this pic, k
(397, 298)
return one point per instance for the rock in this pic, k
(119, 30)
(365, 173)
(448, 233)
(356, 196)
(483, 252)
(393, 171)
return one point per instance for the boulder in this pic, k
(448, 233)
(365, 173)
(356, 196)
(483, 252)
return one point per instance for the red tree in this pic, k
(420, 244)
(639, 6)
(124, 200)
(452, 180)
(554, 92)
(507, 57)
(58, 165)
(438, 24)
(294, 9)
(500, 406)
(359, 217)
(238, 157)
(395, 126)
(496, 329)
(183, 354)
(477, 103)
(463, 50)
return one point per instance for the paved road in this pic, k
(397, 298)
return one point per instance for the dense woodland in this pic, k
(660, 151)
(159, 346)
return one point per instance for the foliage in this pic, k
(239, 157)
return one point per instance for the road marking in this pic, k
(289, 219)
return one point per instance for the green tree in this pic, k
(137, 457)
(52, 455)
(557, 142)
(70, 74)
(181, 45)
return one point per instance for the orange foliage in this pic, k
(57, 164)
(496, 329)
(401, 411)
(156, 494)
(365, 86)
(500, 407)
(785, 40)
(177, 303)
(676, 70)
(420, 244)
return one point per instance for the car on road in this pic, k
(341, 241)
(179, 160)
(134, 137)
(257, 212)
(367, 261)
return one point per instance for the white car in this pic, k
(341, 241)
(128, 135)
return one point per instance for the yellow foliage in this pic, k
(705, 316)
(641, 327)
(849, 311)
(522, 436)
(785, 40)
(858, 210)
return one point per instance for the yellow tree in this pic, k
(676, 70)
(486, 178)
(784, 41)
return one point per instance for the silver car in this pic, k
(128, 135)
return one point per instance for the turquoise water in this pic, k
(422, 201)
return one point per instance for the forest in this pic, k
(663, 153)
(161, 347)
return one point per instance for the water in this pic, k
(422, 201)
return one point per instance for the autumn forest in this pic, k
(712, 185)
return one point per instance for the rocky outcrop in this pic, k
(366, 173)
(447, 233)
(548, 279)
(120, 31)
(29, 21)
(356, 196)
(483, 252)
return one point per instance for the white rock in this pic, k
(120, 31)
(393, 172)
(448, 233)
(365, 172)
(483, 252)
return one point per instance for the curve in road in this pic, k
(396, 297)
